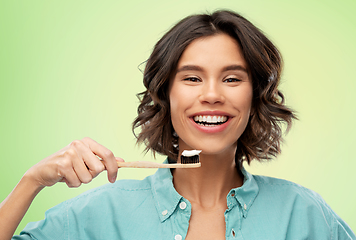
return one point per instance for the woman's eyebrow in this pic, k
(189, 68)
(235, 67)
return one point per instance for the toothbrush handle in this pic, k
(144, 164)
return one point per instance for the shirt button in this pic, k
(178, 237)
(182, 205)
(245, 206)
(164, 213)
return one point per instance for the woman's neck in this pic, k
(208, 185)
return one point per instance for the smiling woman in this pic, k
(258, 59)
(211, 85)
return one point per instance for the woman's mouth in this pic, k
(210, 120)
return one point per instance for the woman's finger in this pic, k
(71, 179)
(106, 155)
(88, 166)
(82, 171)
(92, 162)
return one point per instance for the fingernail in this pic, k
(113, 179)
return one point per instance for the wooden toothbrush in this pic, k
(144, 164)
(189, 159)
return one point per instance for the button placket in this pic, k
(231, 200)
(233, 217)
(182, 215)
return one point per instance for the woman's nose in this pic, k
(211, 93)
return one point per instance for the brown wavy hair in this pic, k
(263, 134)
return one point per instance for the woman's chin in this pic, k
(209, 145)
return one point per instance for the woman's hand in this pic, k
(75, 164)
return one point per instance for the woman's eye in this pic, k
(192, 79)
(230, 80)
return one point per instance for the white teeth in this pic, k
(210, 119)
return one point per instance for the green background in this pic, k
(69, 69)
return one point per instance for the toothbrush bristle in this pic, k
(188, 160)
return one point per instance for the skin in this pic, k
(75, 164)
(208, 86)
(211, 78)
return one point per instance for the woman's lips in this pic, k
(210, 123)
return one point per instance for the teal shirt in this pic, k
(263, 208)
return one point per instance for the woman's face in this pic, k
(210, 95)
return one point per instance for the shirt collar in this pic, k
(167, 198)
